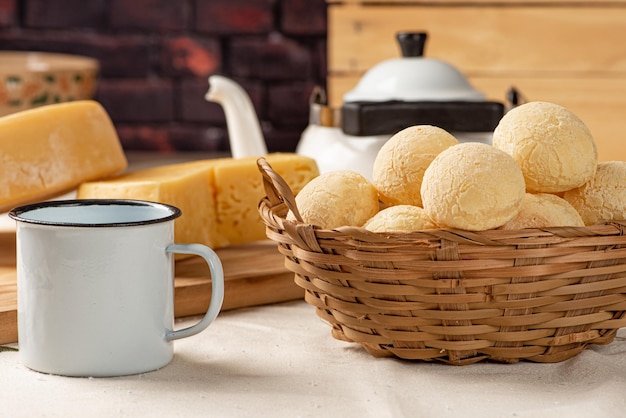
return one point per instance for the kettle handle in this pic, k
(320, 114)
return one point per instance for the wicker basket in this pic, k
(455, 296)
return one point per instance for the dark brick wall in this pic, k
(156, 57)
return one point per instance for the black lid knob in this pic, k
(412, 43)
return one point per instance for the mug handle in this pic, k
(217, 287)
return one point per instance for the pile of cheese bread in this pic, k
(541, 171)
(50, 150)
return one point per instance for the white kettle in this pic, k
(397, 93)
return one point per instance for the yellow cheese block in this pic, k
(52, 149)
(190, 188)
(218, 198)
(239, 186)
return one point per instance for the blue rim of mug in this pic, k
(16, 213)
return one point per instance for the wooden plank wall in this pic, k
(568, 52)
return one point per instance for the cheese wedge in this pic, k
(189, 188)
(52, 149)
(218, 198)
(239, 186)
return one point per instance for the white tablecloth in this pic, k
(281, 361)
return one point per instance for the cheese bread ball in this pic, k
(473, 186)
(603, 198)
(544, 210)
(400, 163)
(400, 218)
(553, 146)
(337, 198)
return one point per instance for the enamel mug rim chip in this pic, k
(21, 213)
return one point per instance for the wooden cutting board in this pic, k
(254, 274)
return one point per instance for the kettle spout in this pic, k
(244, 130)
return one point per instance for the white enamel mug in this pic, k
(95, 286)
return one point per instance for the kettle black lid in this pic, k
(440, 96)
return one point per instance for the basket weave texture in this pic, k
(455, 296)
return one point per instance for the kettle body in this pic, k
(332, 149)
